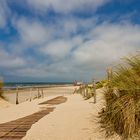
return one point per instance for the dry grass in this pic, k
(101, 84)
(122, 112)
(1, 86)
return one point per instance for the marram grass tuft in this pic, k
(122, 112)
(1, 86)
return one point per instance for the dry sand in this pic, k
(76, 119)
(9, 112)
(4, 104)
(27, 93)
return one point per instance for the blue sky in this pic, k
(65, 40)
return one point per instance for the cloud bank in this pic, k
(4, 12)
(67, 48)
(65, 6)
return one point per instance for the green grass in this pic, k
(122, 112)
(101, 84)
(1, 87)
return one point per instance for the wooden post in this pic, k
(109, 73)
(30, 94)
(17, 102)
(42, 93)
(87, 95)
(94, 91)
(109, 76)
(81, 91)
(38, 93)
(84, 90)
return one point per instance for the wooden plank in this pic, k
(55, 101)
(16, 130)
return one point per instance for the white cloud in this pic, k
(31, 72)
(108, 43)
(66, 6)
(74, 25)
(60, 49)
(68, 47)
(4, 12)
(75, 58)
(64, 56)
(9, 61)
(32, 32)
(35, 33)
(57, 50)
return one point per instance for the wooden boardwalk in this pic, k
(17, 129)
(55, 101)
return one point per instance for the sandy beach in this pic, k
(76, 119)
(4, 104)
(32, 93)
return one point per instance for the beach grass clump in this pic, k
(101, 84)
(122, 112)
(1, 88)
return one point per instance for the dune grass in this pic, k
(101, 84)
(1, 87)
(122, 112)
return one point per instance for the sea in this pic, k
(14, 85)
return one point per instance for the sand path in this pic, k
(16, 130)
(74, 120)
